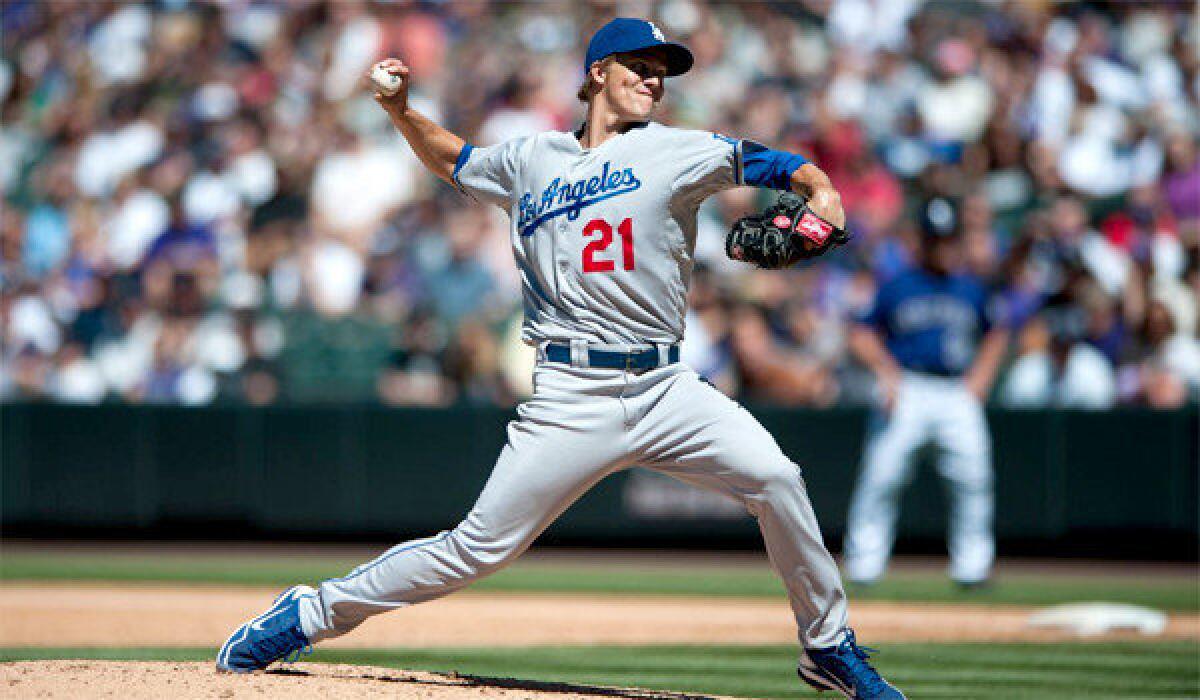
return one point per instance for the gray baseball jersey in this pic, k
(604, 238)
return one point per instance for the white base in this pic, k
(1092, 619)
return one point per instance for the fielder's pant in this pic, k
(580, 426)
(927, 409)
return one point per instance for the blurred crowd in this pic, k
(202, 203)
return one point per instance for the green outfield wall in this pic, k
(375, 472)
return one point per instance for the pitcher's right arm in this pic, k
(437, 148)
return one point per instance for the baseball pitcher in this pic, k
(603, 226)
(934, 345)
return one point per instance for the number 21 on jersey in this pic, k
(601, 234)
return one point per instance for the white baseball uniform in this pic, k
(932, 326)
(603, 238)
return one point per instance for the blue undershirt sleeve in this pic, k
(766, 167)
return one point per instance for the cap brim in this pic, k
(677, 57)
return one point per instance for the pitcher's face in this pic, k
(634, 84)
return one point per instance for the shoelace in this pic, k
(293, 657)
(280, 644)
(858, 663)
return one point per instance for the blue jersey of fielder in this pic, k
(604, 237)
(931, 324)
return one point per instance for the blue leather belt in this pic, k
(614, 359)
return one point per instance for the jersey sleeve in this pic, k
(488, 173)
(709, 163)
(705, 163)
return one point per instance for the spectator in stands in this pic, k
(219, 170)
(1167, 372)
(179, 270)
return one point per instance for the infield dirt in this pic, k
(157, 615)
(54, 614)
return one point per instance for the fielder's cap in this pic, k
(625, 34)
(939, 218)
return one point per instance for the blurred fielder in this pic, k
(934, 349)
(603, 226)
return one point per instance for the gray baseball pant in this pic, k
(581, 425)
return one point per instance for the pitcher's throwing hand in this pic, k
(389, 78)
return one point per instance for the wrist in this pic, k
(398, 112)
(827, 204)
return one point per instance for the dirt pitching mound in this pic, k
(154, 680)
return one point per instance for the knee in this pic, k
(882, 478)
(970, 475)
(976, 484)
(781, 480)
(479, 551)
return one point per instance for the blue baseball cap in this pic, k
(625, 34)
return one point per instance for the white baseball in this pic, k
(385, 82)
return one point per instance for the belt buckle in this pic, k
(629, 362)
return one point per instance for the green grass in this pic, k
(962, 671)
(1024, 588)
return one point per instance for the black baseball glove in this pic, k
(784, 234)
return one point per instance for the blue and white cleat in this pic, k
(269, 637)
(844, 668)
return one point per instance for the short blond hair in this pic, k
(589, 87)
